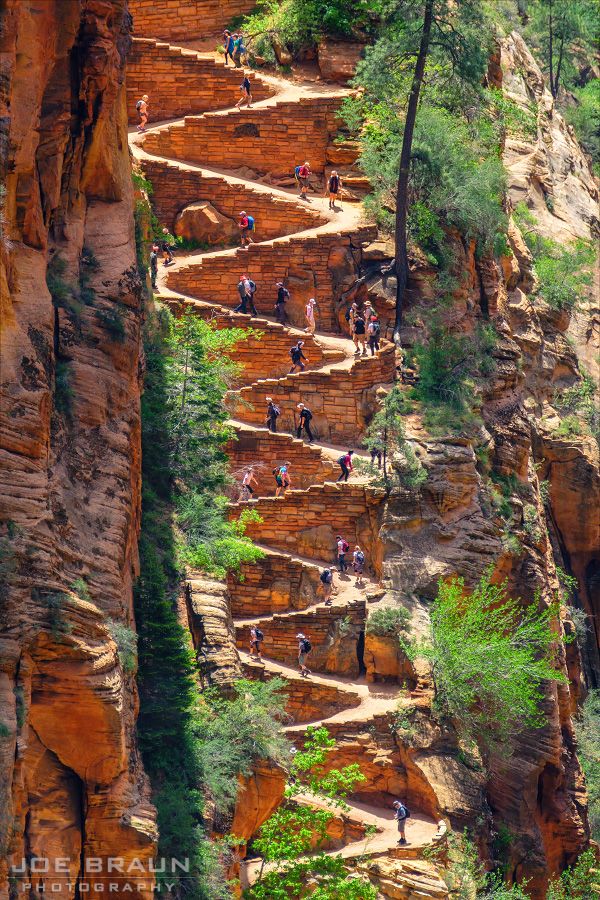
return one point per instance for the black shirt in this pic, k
(359, 325)
(282, 295)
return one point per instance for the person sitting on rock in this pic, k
(142, 110)
(298, 357)
(401, 814)
(326, 579)
(246, 226)
(246, 98)
(358, 564)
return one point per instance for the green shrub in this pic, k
(578, 882)
(54, 601)
(491, 656)
(8, 568)
(79, 587)
(112, 320)
(390, 620)
(5, 731)
(587, 730)
(126, 640)
(582, 403)
(584, 116)
(570, 426)
(531, 522)
(63, 389)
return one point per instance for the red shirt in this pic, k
(244, 221)
(304, 172)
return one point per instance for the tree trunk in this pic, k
(551, 48)
(402, 190)
(554, 89)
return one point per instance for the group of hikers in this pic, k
(281, 472)
(234, 48)
(364, 326)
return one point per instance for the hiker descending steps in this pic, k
(273, 413)
(298, 357)
(304, 648)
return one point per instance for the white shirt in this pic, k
(340, 547)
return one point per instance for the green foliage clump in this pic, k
(112, 320)
(386, 433)
(584, 116)
(236, 732)
(580, 403)
(63, 389)
(8, 568)
(79, 587)
(491, 656)
(465, 876)
(391, 620)
(563, 272)
(578, 882)
(450, 367)
(54, 602)
(296, 830)
(62, 293)
(126, 640)
(587, 730)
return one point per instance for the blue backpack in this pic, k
(250, 223)
(296, 172)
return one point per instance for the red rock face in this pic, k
(71, 782)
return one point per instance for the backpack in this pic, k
(345, 546)
(297, 172)
(251, 228)
(295, 353)
(402, 812)
(275, 410)
(347, 317)
(360, 557)
(250, 282)
(376, 328)
(342, 460)
(307, 414)
(306, 646)
(259, 635)
(326, 577)
(138, 105)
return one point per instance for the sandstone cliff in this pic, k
(71, 781)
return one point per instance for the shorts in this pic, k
(303, 181)
(302, 659)
(279, 481)
(358, 568)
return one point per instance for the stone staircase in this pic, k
(308, 246)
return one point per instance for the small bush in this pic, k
(585, 118)
(570, 426)
(8, 568)
(62, 293)
(63, 389)
(54, 601)
(112, 320)
(587, 729)
(582, 400)
(79, 587)
(578, 882)
(5, 731)
(531, 522)
(388, 621)
(126, 640)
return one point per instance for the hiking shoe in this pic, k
(402, 841)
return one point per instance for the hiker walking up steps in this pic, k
(246, 226)
(342, 546)
(334, 184)
(283, 480)
(358, 564)
(326, 579)
(304, 648)
(297, 357)
(345, 464)
(256, 638)
(246, 98)
(273, 413)
(167, 247)
(247, 481)
(243, 289)
(302, 174)
(305, 417)
(142, 110)
(401, 814)
(283, 295)
(309, 314)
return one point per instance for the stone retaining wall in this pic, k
(307, 701)
(320, 266)
(185, 20)
(174, 188)
(179, 82)
(342, 406)
(333, 632)
(275, 584)
(271, 140)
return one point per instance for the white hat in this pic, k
(299, 636)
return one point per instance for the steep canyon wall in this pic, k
(71, 779)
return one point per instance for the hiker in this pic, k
(228, 46)
(273, 412)
(305, 416)
(246, 226)
(282, 479)
(304, 648)
(247, 481)
(334, 184)
(326, 578)
(246, 98)
(283, 295)
(374, 333)
(297, 357)
(167, 247)
(302, 174)
(359, 335)
(238, 49)
(342, 548)
(243, 288)
(401, 814)
(368, 311)
(278, 480)
(256, 639)
(376, 454)
(154, 265)
(358, 564)
(309, 314)
(142, 110)
(345, 464)
(351, 314)
(251, 290)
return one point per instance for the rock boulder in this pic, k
(338, 60)
(202, 223)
